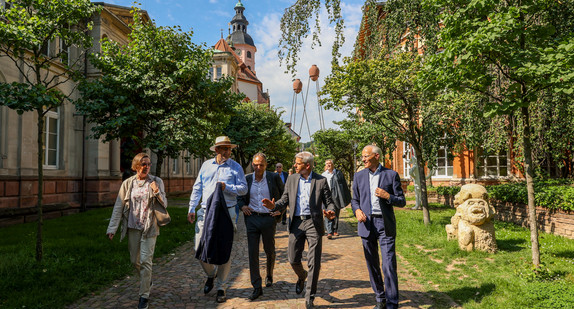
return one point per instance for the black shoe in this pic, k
(220, 298)
(256, 293)
(269, 281)
(208, 285)
(300, 284)
(380, 305)
(143, 303)
(309, 304)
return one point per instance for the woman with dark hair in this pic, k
(134, 209)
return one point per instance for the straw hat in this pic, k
(222, 141)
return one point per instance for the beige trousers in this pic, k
(141, 255)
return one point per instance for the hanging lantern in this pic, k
(297, 86)
(314, 73)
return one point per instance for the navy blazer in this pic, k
(285, 175)
(217, 238)
(274, 184)
(320, 196)
(389, 181)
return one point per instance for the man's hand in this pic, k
(110, 236)
(191, 217)
(361, 217)
(275, 213)
(154, 187)
(222, 185)
(329, 214)
(382, 194)
(246, 210)
(269, 204)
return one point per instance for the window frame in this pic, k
(448, 166)
(482, 165)
(53, 115)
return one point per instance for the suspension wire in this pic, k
(293, 109)
(305, 116)
(319, 107)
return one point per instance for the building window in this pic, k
(249, 54)
(175, 166)
(444, 164)
(218, 72)
(188, 165)
(407, 155)
(493, 165)
(51, 139)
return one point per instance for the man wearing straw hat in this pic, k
(230, 174)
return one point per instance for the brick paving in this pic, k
(343, 283)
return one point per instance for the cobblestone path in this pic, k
(343, 283)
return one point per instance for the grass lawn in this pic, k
(78, 258)
(482, 280)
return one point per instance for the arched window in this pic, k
(249, 54)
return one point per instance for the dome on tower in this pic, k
(239, 26)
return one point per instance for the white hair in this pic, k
(306, 157)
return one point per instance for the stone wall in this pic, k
(552, 221)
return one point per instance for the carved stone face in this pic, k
(470, 191)
(475, 211)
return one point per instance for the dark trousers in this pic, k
(332, 226)
(260, 228)
(389, 289)
(301, 231)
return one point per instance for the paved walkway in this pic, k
(343, 283)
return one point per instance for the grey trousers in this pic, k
(141, 255)
(260, 228)
(304, 230)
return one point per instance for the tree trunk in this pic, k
(159, 163)
(424, 196)
(39, 247)
(530, 187)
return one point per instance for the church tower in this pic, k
(241, 40)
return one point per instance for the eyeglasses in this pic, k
(145, 164)
(367, 156)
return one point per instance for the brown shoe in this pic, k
(335, 234)
(329, 236)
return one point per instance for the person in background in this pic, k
(340, 194)
(134, 209)
(230, 174)
(279, 170)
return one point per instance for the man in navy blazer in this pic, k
(376, 190)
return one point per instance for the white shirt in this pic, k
(374, 184)
(259, 191)
(303, 194)
(328, 175)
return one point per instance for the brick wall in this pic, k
(63, 196)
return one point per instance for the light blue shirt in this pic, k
(259, 191)
(374, 184)
(229, 172)
(303, 194)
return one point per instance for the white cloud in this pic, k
(266, 34)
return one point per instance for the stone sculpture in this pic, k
(472, 223)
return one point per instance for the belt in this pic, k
(304, 217)
(376, 216)
(262, 214)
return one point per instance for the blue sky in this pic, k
(208, 17)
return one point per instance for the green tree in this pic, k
(27, 28)
(344, 146)
(387, 93)
(157, 90)
(257, 128)
(509, 52)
